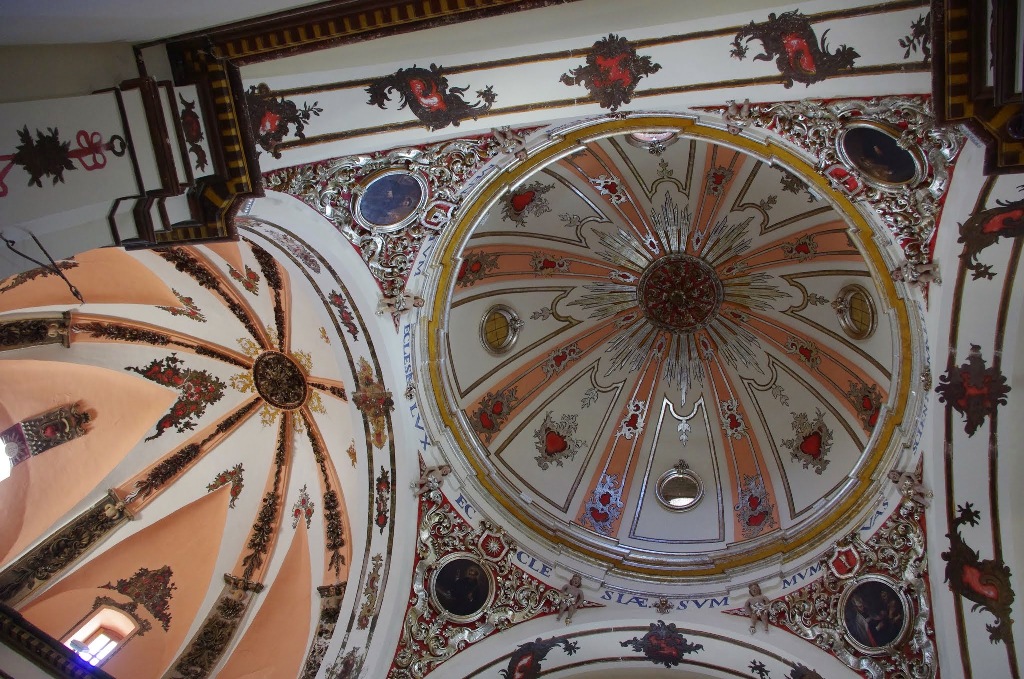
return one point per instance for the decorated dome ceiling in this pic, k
(668, 348)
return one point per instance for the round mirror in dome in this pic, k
(679, 489)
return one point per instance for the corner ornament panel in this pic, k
(438, 624)
(888, 152)
(871, 609)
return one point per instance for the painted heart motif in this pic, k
(548, 264)
(757, 519)
(811, 445)
(559, 359)
(806, 353)
(612, 187)
(754, 502)
(599, 516)
(522, 200)
(717, 178)
(734, 422)
(605, 498)
(803, 249)
(486, 421)
(554, 443)
(498, 408)
(633, 421)
(972, 578)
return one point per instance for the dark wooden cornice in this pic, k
(43, 650)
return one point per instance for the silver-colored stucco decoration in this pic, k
(871, 609)
(900, 131)
(430, 633)
(335, 187)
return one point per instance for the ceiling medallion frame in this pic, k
(367, 198)
(664, 308)
(450, 561)
(843, 305)
(871, 168)
(278, 379)
(515, 325)
(808, 534)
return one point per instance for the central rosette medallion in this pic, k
(279, 380)
(680, 293)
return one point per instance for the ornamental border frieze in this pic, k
(893, 559)
(333, 188)
(909, 209)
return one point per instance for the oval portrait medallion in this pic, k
(875, 152)
(461, 586)
(876, 616)
(391, 200)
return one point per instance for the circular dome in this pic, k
(676, 308)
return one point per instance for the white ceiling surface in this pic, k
(47, 22)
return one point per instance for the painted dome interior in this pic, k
(672, 305)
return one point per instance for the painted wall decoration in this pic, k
(790, 39)
(188, 308)
(232, 476)
(38, 272)
(429, 97)
(45, 156)
(612, 71)
(152, 589)
(555, 440)
(812, 441)
(604, 508)
(272, 117)
(250, 280)
(526, 201)
(192, 131)
(985, 582)
(663, 645)
(303, 508)
(973, 389)
(525, 660)
(373, 401)
(382, 489)
(38, 434)
(370, 591)
(475, 268)
(875, 614)
(919, 38)
(197, 389)
(984, 229)
(345, 315)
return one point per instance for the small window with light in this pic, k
(102, 633)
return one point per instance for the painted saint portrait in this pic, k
(390, 200)
(462, 587)
(878, 156)
(875, 614)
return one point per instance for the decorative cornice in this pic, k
(31, 332)
(62, 549)
(43, 650)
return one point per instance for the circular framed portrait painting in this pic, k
(391, 200)
(876, 614)
(873, 149)
(461, 586)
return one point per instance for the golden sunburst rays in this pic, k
(718, 327)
